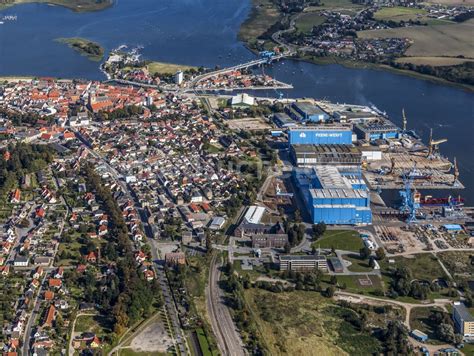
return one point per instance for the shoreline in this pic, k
(384, 67)
(71, 7)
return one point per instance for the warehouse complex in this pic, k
(302, 111)
(320, 135)
(378, 130)
(340, 155)
(333, 195)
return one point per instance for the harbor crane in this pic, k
(456, 171)
(434, 144)
(404, 120)
(409, 205)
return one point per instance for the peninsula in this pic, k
(74, 5)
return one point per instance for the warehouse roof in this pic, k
(254, 214)
(309, 109)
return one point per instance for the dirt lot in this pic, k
(251, 124)
(432, 41)
(152, 339)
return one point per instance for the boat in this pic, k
(428, 200)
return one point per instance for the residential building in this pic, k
(463, 320)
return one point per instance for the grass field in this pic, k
(353, 284)
(432, 41)
(340, 5)
(304, 323)
(458, 262)
(341, 240)
(423, 266)
(306, 21)
(399, 13)
(433, 61)
(358, 265)
(167, 68)
(93, 323)
(263, 15)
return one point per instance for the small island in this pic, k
(90, 49)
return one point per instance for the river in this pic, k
(204, 32)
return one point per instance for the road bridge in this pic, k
(246, 65)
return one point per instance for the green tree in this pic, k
(364, 253)
(380, 253)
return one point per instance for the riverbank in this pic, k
(74, 5)
(365, 65)
(266, 19)
(85, 47)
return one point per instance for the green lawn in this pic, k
(358, 265)
(204, 344)
(306, 21)
(341, 240)
(93, 323)
(354, 285)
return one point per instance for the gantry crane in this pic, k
(434, 144)
(410, 204)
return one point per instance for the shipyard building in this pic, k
(334, 195)
(320, 135)
(302, 111)
(311, 155)
(376, 130)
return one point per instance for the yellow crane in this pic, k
(456, 171)
(404, 120)
(434, 144)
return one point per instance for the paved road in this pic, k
(32, 319)
(228, 338)
(179, 338)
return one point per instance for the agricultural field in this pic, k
(305, 323)
(399, 13)
(307, 20)
(344, 6)
(341, 240)
(167, 68)
(432, 41)
(263, 15)
(452, 2)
